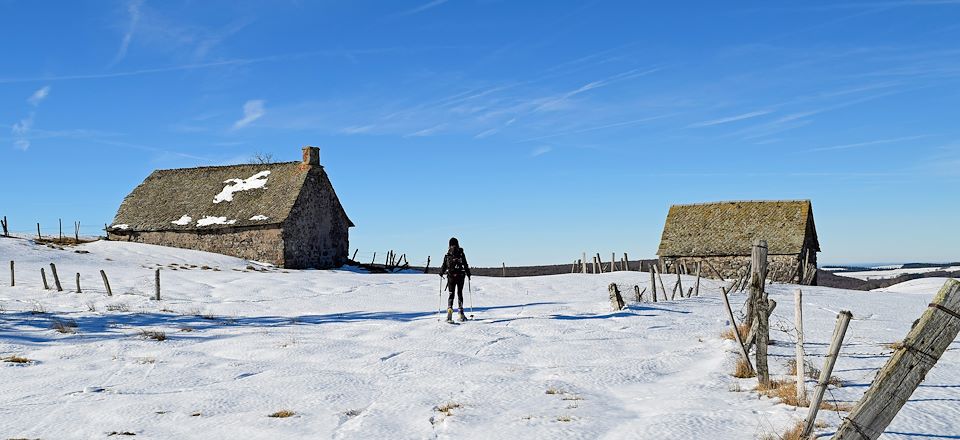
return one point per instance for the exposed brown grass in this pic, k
(65, 327)
(742, 371)
(554, 390)
(785, 390)
(793, 433)
(156, 335)
(283, 414)
(812, 373)
(894, 345)
(565, 419)
(16, 360)
(836, 406)
(447, 408)
(728, 333)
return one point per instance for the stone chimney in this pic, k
(311, 155)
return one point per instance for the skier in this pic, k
(456, 268)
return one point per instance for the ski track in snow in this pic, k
(364, 356)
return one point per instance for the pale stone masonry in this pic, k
(286, 214)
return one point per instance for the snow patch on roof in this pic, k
(121, 226)
(183, 221)
(259, 217)
(255, 181)
(209, 220)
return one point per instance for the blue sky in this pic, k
(531, 130)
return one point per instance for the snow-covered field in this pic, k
(891, 273)
(363, 356)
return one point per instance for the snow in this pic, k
(183, 221)
(358, 355)
(924, 286)
(255, 181)
(209, 220)
(892, 273)
(121, 226)
(259, 217)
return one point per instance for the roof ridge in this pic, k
(744, 201)
(207, 167)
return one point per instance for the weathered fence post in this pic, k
(653, 285)
(678, 285)
(626, 262)
(39, 237)
(78, 283)
(106, 282)
(374, 259)
(636, 289)
(355, 254)
(613, 261)
(504, 273)
(427, 269)
(801, 368)
(752, 336)
(43, 275)
(76, 232)
(157, 284)
(61, 229)
(915, 356)
(13, 281)
(696, 289)
(599, 263)
(662, 287)
(843, 320)
(758, 295)
(736, 331)
(56, 277)
(616, 301)
(6, 231)
(584, 262)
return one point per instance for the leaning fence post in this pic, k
(636, 289)
(801, 368)
(106, 282)
(56, 278)
(843, 320)
(43, 275)
(662, 287)
(427, 269)
(736, 331)
(6, 231)
(915, 356)
(78, 283)
(616, 301)
(157, 279)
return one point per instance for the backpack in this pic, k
(456, 261)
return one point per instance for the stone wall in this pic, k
(317, 232)
(259, 244)
(780, 268)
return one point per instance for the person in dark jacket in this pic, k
(456, 268)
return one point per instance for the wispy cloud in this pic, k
(134, 12)
(429, 5)
(427, 131)
(37, 97)
(600, 127)
(357, 129)
(252, 110)
(867, 143)
(21, 129)
(730, 119)
(540, 151)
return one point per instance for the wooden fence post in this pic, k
(355, 254)
(599, 263)
(6, 231)
(78, 283)
(584, 262)
(899, 378)
(843, 320)
(678, 285)
(76, 232)
(696, 289)
(13, 281)
(653, 285)
(801, 366)
(736, 332)
(636, 289)
(157, 284)
(43, 275)
(662, 287)
(61, 229)
(504, 273)
(56, 278)
(106, 283)
(39, 237)
(616, 301)
(758, 296)
(626, 262)
(427, 269)
(374, 260)
(752, 336)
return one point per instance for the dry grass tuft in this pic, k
(447, 408)
(812, 373)
(156, 335)
(17, 360)
(565, 419)
(728, 333)
(282, 414)
(784, 390)
(836, 406)
(554, 390)
(65, 327)
(120, 307)
(742, 371)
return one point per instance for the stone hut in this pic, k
(286, 214)
(720, 236)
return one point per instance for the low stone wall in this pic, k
(259, 244)
(780, 268)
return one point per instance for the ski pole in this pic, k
(470, 288)
(440, 299)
